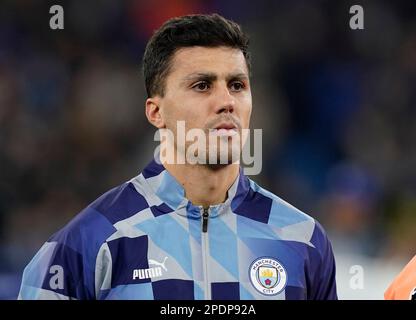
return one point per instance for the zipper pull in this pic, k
(205, 216)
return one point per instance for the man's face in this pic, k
(209, 89)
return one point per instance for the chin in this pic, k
(229, 158)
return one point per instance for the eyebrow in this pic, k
(211, 77)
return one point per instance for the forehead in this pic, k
(205, 59)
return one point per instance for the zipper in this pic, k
(205, 253)
(205, 216)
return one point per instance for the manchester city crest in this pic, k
(268, 276)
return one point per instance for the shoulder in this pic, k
(288, 221)
(73, 250)
(95, 223)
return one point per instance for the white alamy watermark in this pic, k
(57, 279)
(357, 20)
(57, 20)
(210, 147)
(357, 278)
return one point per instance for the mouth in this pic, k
(225, 129)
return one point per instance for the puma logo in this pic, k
(150, 273)
(160, 264)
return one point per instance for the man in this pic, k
(404, 285)
(189, 231)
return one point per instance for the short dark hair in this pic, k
(187, 31)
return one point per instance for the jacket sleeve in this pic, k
(322, 268)
(64, 267)
(55, 272)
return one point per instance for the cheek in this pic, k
(246, 112)
(167, 117)
(172, 110)
(175, 112)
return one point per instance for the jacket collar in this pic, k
(171, 192)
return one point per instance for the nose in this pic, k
(224, 101)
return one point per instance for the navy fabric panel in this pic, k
(225, 291)
(243, 188)
(255, 206)
(87, 228)
(161, 209)
(120, 203)
(173, 290)
(152, 169)
(72, 266)
(84, 235)
(128, 254)
(321, 270)
(295, 293)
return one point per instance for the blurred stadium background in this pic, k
(337, 109)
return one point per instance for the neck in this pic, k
(204, 185)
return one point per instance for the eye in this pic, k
(201, 86)
(237, 86)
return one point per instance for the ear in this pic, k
(153, 112)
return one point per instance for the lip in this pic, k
(226, 126)
(224, 129)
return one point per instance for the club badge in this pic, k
(268, 276)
